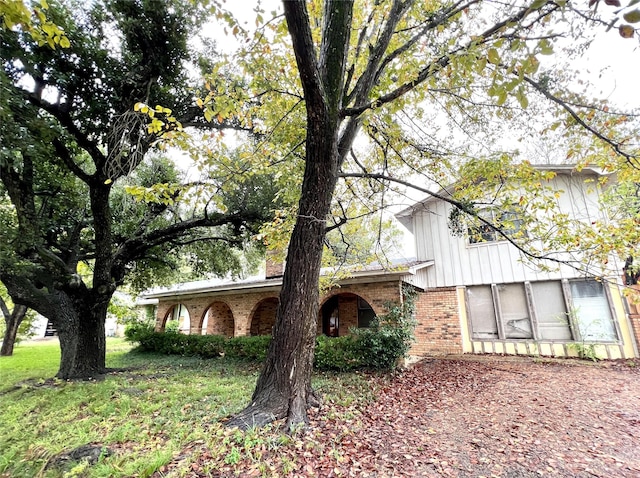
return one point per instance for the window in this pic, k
(551, 311)
(538, 310)
(508, 302)
(510, 222)
(365, 313)
(592, 312)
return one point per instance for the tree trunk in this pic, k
(13, 322)
(82, 338)
(284, 386)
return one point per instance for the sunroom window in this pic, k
(538, 310)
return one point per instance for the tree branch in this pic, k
(440, 63)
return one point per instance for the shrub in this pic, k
(206, 346)
(390, 336)
(337, 353)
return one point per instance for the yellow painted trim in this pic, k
(545, 349)
(499, 348)
(467, 346)
(623, 323)
(614, 350)
(510, 348)
(521, 348)
(557, 350)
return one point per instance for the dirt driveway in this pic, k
(475, 417)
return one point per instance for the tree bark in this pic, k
(81, 333)
(284, 386)
(12, 321)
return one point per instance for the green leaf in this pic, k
(632, 16)
(493, 56)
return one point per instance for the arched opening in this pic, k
(341, 312)
(264, 317)
(177, 318)
(217, 320)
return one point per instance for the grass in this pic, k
(146, 415)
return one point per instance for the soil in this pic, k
(472, 417)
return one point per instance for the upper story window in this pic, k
(508, 221)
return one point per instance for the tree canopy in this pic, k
(70, 134)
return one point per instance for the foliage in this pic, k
(33, 20)
(378, 347)
(390, 336)
(338, 353)
(171, 342)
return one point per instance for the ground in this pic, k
(463, 417)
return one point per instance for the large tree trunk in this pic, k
(12, 321)
(81, 332)
(284, 386)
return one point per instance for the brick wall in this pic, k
(264, 317)
(438, 323)
(633, 301)
(219, 320)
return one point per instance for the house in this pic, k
(507, 305)
(248, 307)
(475, 293)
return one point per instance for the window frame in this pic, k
(476, 235)
(573, 325)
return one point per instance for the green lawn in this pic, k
(147, 415)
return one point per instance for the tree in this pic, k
(382, 69)
(74, 123)
(17, 323)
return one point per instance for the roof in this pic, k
(376, 272)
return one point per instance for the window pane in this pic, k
(514, 310)
(365, 313)
(551, 311)
(482, 313)
(592, 311)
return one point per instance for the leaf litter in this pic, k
(468, 417)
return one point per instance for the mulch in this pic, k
(468, 418)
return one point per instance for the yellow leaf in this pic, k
(64, 42)
(108, 181)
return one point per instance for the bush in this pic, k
(205, 346)
(337, 353)
(390, 336)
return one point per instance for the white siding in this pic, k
(459, 263)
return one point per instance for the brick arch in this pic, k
(219, 320)
(263, 316)
(184, 325)
(345, 303)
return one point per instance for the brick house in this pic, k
(248, 307)
(473, 296)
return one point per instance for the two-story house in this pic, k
(508, 305)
